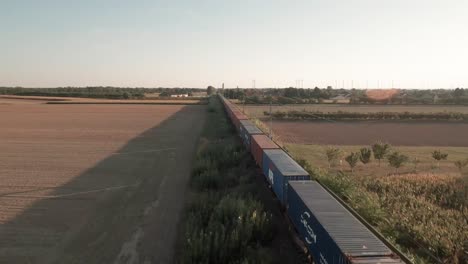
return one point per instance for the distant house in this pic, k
(152, 95)
(199, 94)
(341, 99)
(179, 95)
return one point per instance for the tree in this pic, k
(353, 159)
(333, 155)
(365, 155)
(439, 155)
(380, 150)
(460, 164)
(210, 90)
(396, 160)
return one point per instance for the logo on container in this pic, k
(312, 238)
(270, 176)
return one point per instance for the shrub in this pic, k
(460, 164)
(396, 160)
(380, 150)
(333, 155)
(353, 159)
(365, 155)
(439, 155)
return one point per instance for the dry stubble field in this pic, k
(93, 183)
(257, 110)
(340, 132)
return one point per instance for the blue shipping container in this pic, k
(332, 234)
(246, 130)
(279, 168)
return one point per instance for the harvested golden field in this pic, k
(93, 183)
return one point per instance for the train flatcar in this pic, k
(331, 233)
(279, 168)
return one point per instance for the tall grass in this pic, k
(224, 221)
(424, 215)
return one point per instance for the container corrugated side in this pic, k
(246, 134)
(277, 170)
(258, 144)
(237, 117)
(330, 231)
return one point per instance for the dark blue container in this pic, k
(246, 130)
(331, 233)
(279, 168)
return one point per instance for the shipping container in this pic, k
(279, 168)
(331, 233)
(237, 117)
(258, 144)
(246, 130)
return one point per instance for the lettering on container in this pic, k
(322, 259)
(312, 238)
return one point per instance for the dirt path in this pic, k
(93, 184)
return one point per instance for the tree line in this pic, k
(108, 92)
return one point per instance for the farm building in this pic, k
(179, 95)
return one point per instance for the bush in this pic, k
(365, 155)
(396, 160)
(380, 150)
(460, 164)
(439, 155)
(353, 159)
(333, 155)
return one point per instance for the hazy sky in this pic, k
(415, 43)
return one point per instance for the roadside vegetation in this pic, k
(418, 200)
(225, 221)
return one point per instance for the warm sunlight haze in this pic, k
(415, 44)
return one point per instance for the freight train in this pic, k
(331, 233)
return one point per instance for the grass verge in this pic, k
(224, 221)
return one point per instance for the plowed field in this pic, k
(401, 133)
(93, 183)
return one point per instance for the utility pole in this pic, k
(271, 121)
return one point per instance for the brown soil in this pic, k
(77, 100)
(93, 183)
(411, 133)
